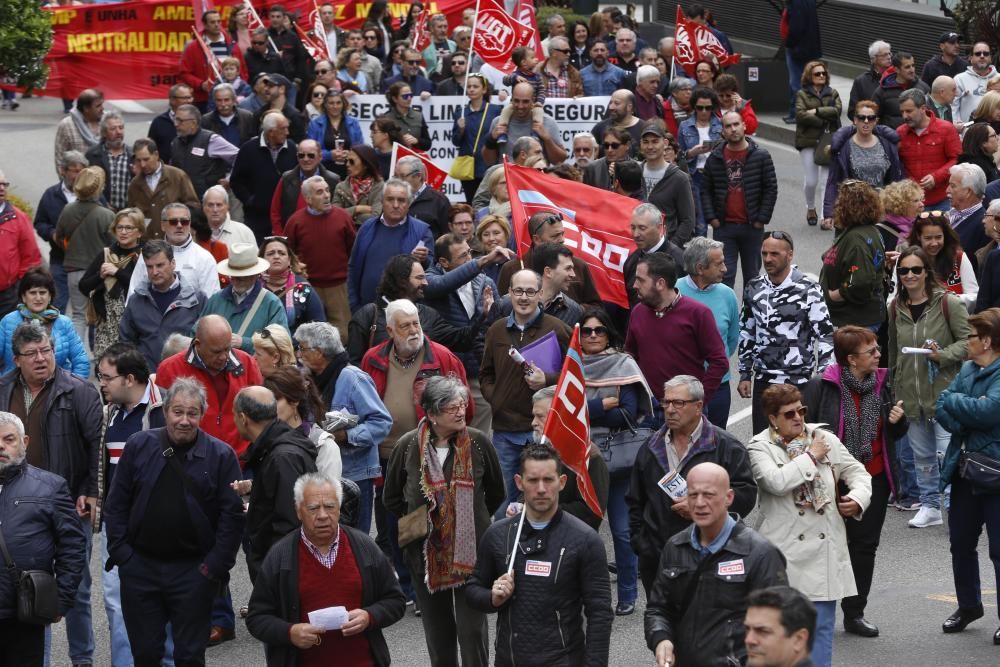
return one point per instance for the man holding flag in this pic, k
(200, 67)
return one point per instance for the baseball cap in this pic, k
(653, 128)
(279, 80)
(261, 76)
(948, 37)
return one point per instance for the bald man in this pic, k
(693, 619)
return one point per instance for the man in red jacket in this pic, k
(195, 69)
(928, 148)
(18, 249)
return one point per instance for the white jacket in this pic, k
(814, 541)
(971, 87)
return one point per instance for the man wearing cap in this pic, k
(262, 87)
(244, 302)
(280, 100)
(946, 63)
(666, 185)
(167, 304)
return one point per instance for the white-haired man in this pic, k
(966, 189)
(865, 85)
(428, 204)
(215, 204)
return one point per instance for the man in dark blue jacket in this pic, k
(43, 533)
(174, 527)
(258, 167)
(800, 30)
(53, 201)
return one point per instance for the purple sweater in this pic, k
(685, 341)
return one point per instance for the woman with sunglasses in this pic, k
(853, 397)
(952, 267)
(285, 277)
(807, 480)
(817, 112)
(696, 136)
(360, 194)
(865, 151)
(315, 95)
(373, 45)
(852, 276)
(979, 147)
(336, 131)
(415, 134)
(384, 132)
(470, 128)
(617, 398)
(925, 315)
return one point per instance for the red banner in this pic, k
(435, 174)
(497, 34)
(131, 50)
(568, 425)
(693, 41)
(600, 239)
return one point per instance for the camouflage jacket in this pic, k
(785, 330)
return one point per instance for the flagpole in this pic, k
(472, 52)
(517, 540)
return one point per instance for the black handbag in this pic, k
(620, 447)
(37, 595)
(982, 471)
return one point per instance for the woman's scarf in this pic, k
(286, 294)
(610, 370)
(496, 208)
(450, 547)
(360, 187)
(121, 258)
(859, 433)
(813, 493)
(46, 317)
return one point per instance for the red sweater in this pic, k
(933, 152)
(323, 243)
(340, 586)
(18, 250)
(195, 69)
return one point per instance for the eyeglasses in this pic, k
(611, 146)
(412, 173)
(457, 62)
(594, 331)
(865, 118)
(40, 352)
(125, 228)
(181, 222)
(790, 414)
(524, 291)
(981, 53)
(704, 107)
(677, 403)
(321, 72)
(4, 184)
(457, 409)
(905, 270)
(258, 43)
(559, 50)
(413, 62)
(406, 96)
(101, 377)
(311, 156)
(874, 350)
(779, 236)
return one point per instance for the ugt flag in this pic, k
(497, 34)
(595, 222)
(693, 41)
(568, 425)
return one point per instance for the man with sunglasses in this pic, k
(971, 83)
(155, 185)
(902, 75)
(202, 154)
(457, 65)
(559, 77)
(288, 196)
(411, 74)
(260, 58)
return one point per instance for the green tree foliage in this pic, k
(25, 39)
(978, 20)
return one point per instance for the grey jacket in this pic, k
(144, 326)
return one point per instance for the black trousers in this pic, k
(648, 567)
(469, 188)
(862, 543)
(157, 592)
(969, 513)
(21, 644)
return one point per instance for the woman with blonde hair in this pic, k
(988, 110)
(902, 202)
(817, 113)
(496, 183)
(273, 349)
(493, 231)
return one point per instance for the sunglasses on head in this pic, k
(904, 270)
(551, 220)
(780, 236)
(932, 214)
(268, 239)
(264, 333)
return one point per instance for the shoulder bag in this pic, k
(37, 595)
(620, 447)
(463, 168)
(982, 471)
(821, 156)
(253, 311)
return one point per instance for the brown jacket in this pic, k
(502, 381)
(575, 84)
(174, 186)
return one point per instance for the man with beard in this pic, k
(621, 115)
(201, 154)
(601, 77)
(585, 149)
(114, 157)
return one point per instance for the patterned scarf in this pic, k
(450, 547)
(859, 433)
(360, 187)
(120, 257)
(46, 317)
(814, 493)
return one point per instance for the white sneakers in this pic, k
(926, 516)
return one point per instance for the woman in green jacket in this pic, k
(817, 112)
(926, 316)
(852, 276)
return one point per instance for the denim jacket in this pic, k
(355, 392)
(687, 133)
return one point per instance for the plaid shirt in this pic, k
(330, 558)
(118, 179)
(556, 86)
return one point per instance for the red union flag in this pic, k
(524, 10)
(568, 425)
(595, 222)
(497, 34)
(421, 34)
(435, 174)
(693, 41)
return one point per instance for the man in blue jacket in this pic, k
(174, 526)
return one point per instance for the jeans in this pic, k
(62, 286)
(826, 617)
(717, 408)
(625, 558)
(121, 651)
(78, 300)
(741, 243)
(79, 625)
(905, 472)
(928, 441)
(862, 544)
(795, 69)
(509, 445)
(365, 504)
(965, 524)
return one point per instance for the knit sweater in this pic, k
(721, 300)
(323, 242)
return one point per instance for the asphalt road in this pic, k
(913, 590)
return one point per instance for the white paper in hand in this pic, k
(330, 618)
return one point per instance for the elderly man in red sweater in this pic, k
(322, 235)
(928, 148)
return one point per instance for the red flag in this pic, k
(315, 47)
(210, 57)
(435, 174)
(199, 7)
(595, 222)
(421, 33)
(693, 41)
(496, 35)
(524, 11)
(568, 425)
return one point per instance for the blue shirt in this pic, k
(715, 545)
(386, 244)
(721, 300)
(602, 82)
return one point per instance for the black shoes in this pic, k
(626, 608)
(860, 626)
(961, 619)
(996, 637)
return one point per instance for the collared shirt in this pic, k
(713, 547)
(118, 179)
(957, 217)
(676, 460)
(381, 220)
(29, 397)
(556, 85)
(512, 322)
(173, 285)
(154, 179)
(330, 558)
(275, 152)
(68, 193)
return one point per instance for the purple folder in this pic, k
(544, 353)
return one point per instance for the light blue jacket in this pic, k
(969, 409)
(70, 352)
(355, 392)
